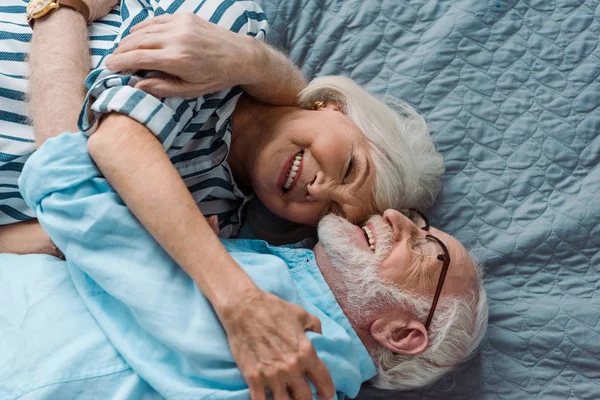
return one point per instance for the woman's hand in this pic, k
(268, 341)
(99, 8)
(199, 57)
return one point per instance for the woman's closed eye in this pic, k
(349, 170)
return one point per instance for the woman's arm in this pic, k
(202, 58)
(27, 237)
(266, 334)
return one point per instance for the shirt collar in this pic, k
(302, 261)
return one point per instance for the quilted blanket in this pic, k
(511, 91)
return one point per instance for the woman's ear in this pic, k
(330, 106)
(400, 335)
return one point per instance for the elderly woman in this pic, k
(341, 150)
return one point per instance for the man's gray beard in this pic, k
(364, 292)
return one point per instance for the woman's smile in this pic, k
(291, 173)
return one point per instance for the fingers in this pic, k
(162, 19)
(320, 377)
(140, 42)
(315, 369)
(148, 38)
(277, 387)
(160, 87)
(166, 87)
(312, 323)
(300, 389)
(257, 392)
(151, 59)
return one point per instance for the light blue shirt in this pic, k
(120, 316)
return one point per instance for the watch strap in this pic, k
(77, 5)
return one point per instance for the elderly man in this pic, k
(398, 301)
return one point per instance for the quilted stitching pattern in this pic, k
(511, 91)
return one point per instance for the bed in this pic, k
(511, 91)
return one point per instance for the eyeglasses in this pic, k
(428, 246)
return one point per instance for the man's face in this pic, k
(360, 267)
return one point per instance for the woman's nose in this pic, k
(317, 189)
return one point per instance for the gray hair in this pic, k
(455, 334)
(408, 166)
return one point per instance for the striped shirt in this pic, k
(196, 133)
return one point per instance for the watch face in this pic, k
(35, 6)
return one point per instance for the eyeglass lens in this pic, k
(425, 246)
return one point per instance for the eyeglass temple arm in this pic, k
(438, 290)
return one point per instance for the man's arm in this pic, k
(275, 79)
(202, 58)
(59, 64)
(58, 70)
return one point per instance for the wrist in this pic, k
(227, 299)
(63, 16)
(258, 57)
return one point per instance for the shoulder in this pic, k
(245, 17)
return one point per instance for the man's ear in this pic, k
(400, 335)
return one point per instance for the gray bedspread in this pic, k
(511, 92)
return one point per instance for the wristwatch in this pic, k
(39, 8)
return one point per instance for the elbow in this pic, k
(120, 137)
(100, 143)
(109, 138)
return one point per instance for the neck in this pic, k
(244, 128)
(253, 128)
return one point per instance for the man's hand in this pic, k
(268, 341)
(99, 8)
(201, 57)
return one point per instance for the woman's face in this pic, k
(317, 162)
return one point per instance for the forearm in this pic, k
(26, 237)
(136, 165)
(275, 79)
(59, 63)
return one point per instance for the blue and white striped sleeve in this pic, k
(252, 21)
(111, 91)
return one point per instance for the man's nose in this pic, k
(400, 224)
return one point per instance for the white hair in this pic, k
(408, 166)
(456, 331)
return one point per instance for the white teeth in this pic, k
(370, 237)
(293, 171)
